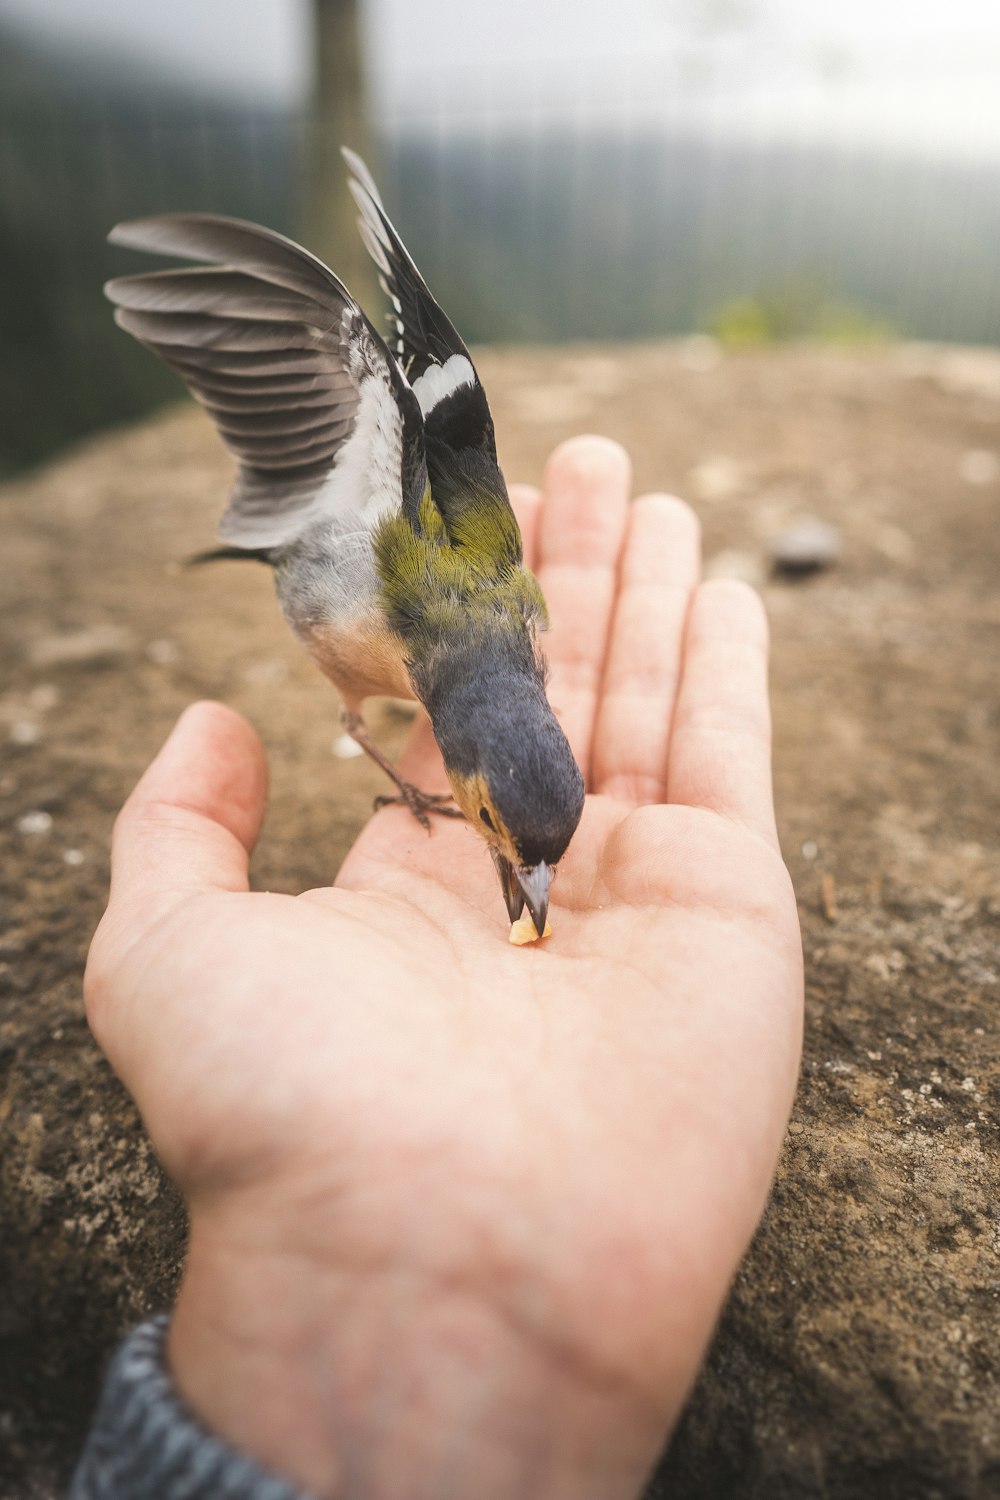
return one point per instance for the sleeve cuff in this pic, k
(145, 1444)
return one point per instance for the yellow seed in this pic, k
(523, 931)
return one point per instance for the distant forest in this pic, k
(582, 235)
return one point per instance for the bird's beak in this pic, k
(523, 888)
(512, 894)
(534, 885)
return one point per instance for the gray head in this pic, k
(509, 763)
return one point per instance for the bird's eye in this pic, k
(486, 818)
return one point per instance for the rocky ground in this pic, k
(859, 1352)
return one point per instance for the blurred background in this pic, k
(752, 169)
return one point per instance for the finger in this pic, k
(527, 503)
(582, 524)
(195, 815)
(720, 749)
(661, 564)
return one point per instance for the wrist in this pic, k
(365, 1385)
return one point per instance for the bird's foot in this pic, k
(421, 804)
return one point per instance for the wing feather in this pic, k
(436, 361)
(203, 289)
(301, 387)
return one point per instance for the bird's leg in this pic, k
(420, 803)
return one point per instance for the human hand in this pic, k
(463, 1215)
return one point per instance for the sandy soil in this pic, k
(859, 1353)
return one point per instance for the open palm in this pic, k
(503, 1188)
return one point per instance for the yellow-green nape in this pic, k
(416, 570)
(430, 520)
(484, 524)
(440, 578)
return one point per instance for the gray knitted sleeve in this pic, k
(144, 1444)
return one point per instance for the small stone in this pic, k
(35, 823)
(810, 849)
(805, 547)
(979, 466)
(73, 857)
(796, 1127)
(24, 732)
(344, 748)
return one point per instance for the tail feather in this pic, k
(231, 554)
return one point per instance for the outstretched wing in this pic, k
(434, 358)
(301, 387)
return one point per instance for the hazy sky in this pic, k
(915, 73)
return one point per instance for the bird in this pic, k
(368, 480)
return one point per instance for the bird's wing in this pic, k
(301, 387)
(435, 360)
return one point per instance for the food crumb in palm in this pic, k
(523, 931)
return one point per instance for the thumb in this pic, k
(188, 826)
(194, 817)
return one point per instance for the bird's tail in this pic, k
(225, 554)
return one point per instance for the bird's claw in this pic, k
(421, 803)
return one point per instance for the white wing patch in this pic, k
(439, 381)
(366, 477)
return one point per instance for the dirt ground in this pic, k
(859, 1352)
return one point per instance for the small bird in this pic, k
(368, 480)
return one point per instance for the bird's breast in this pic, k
(330, 595)
(360, 654)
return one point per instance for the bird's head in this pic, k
(467, 611)
(509, 763)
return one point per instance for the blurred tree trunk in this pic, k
(338, 117)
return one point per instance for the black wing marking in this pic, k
(301, 387)
(454, 405)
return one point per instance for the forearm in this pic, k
(369, 1387)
